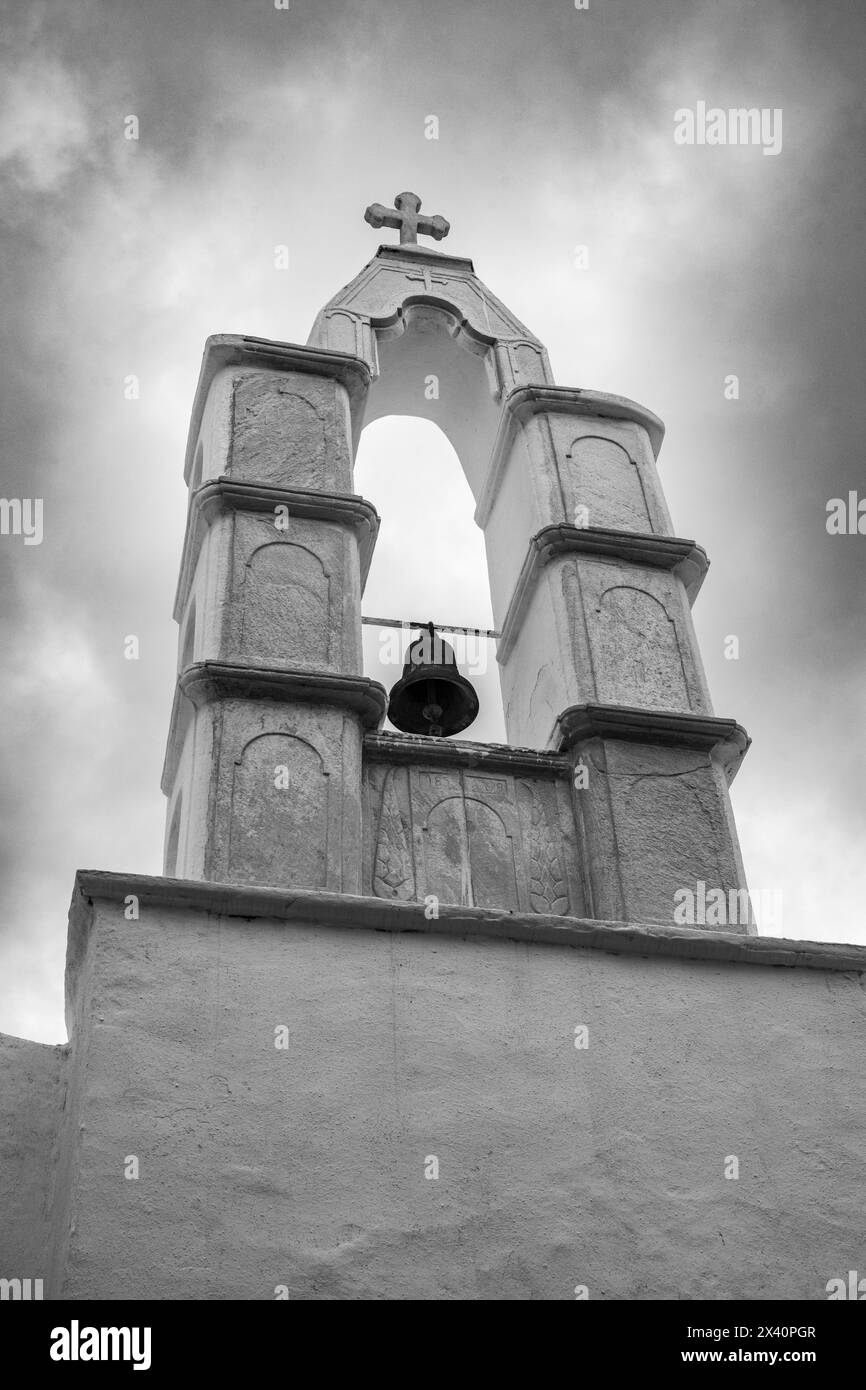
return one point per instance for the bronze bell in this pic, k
(431, 696)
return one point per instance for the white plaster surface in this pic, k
(32, 1085)
(557, 1166)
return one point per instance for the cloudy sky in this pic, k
(261, 127)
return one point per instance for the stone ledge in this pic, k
(217, 495)
(235, 350)
(417, 254)
(417, 749)
(351, 912)
(224, 680)
(684, 558)
(218, 680)
(724, 739)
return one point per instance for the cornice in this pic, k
(445, 752)
(363, 913)
(724, 740)
(683, 558)
(223, 680)
(417, 255)
(238, 350)
(207, 681)
(219, 495)
(524, 402)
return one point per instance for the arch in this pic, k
(286, 605)
(279, 821)
(600, 475)
(413, 313)
(441, 347)
(432, 366)
(428, 536)
(637, 651)
(468, 854)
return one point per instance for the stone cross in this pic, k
(407, 220)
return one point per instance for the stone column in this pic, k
(263, 768)
(598, 654)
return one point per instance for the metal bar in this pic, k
(440, 627)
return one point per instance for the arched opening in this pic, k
(431, 365)
(429, 562)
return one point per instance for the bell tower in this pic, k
(612, 792)
(391, 1021)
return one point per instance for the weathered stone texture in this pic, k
(483, 838)
(654, 823)
(598, 476)
(287, 431)
(282, 809)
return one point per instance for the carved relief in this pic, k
(599, 475)
(673, 833)
(394, 870)
(548, 885)
(286, 606)
(446, 865)
(278, 435)
(636, 653)
(466, 839)
(491, 857)
(343, 331)
(279, 815)
(468, 855)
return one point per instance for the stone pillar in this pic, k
(598, 654)
(263, 768)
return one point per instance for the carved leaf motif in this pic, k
(393, 875)
(548, 888)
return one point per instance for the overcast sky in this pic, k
(260, 127)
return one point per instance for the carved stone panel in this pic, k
(278, 433)
(543, 849)
(671, 829)
(286, 606)
(635, 650)
(598, 474)
(468, 854)
(394, 868)
(473, 839)
(279, 814)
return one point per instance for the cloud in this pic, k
(44, 125)
(260, 127)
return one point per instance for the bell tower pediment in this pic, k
(389, 293)
(626, 797)
(438, 344)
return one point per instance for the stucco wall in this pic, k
(305, 1167)
(32, 1078)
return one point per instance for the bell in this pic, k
(431, 696)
